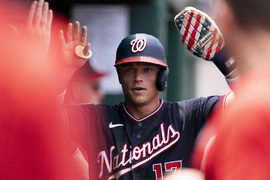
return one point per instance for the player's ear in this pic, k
(118, 73)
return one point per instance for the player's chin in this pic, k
(138, 100)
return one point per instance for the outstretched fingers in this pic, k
(86, 50)
(73, 34)
(76, 31)
(83, 35)
(49, 20)
(69, 32)
(75, 42)
(38, 13)
(31, 14)
(44, 16)
(62, 38)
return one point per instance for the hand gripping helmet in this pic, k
(142, 47)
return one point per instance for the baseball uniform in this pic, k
(120, 146)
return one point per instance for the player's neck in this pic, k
(142, 110)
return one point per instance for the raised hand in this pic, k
(202, 37)
(199, 33)
(38, 27)
(75, 50)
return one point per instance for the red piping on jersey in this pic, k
(149, 115)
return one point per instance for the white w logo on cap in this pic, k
(138, 45)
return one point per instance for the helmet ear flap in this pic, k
(162, 78)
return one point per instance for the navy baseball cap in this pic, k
(140, 47)
(88, 72)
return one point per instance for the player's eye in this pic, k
(147, 69)
(127, 70)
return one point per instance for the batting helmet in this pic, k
(142, 47)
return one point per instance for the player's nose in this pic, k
(138, 75)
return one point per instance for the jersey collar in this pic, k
(146, 117)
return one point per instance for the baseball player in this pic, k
(84, 86)
(143, 137)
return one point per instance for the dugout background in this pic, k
(189, 76)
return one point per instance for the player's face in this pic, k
(139, 82)
(89, 91)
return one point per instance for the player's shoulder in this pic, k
(198, 102)
(201, 99)
(108, 107)
(109, 110)
(104, 106)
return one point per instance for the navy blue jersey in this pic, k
(120, 146)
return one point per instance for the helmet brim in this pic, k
(141, 59)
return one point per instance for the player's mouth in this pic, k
(138, 89)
